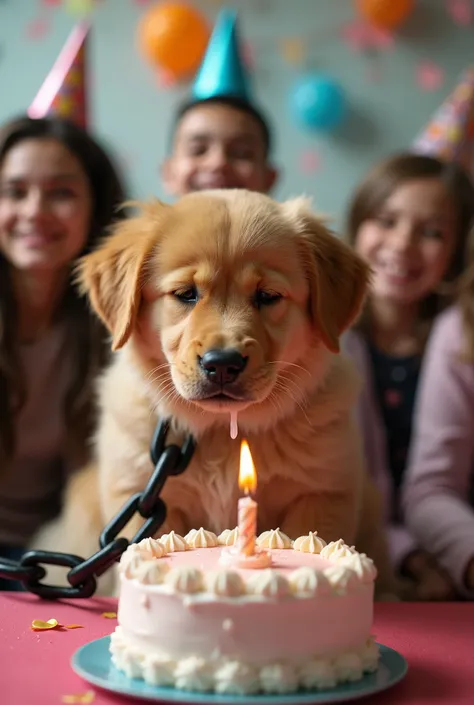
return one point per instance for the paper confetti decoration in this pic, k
(248, 55)
(460, 11)
(74, 626)
(360, 36)
(292, 50)
(38, 625)
(87, 697)
(429, 76)
(165, 79)
(80, 7)
(109, 615)
(309, 161)
(37, 29)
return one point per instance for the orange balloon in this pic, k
(174, 36)
(386, 14)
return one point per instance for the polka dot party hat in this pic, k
(64, 91)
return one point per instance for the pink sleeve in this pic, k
(436, 492)
(400, 543)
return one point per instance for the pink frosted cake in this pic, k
(189, 621)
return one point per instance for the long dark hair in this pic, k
(86, 336)
(381, 181)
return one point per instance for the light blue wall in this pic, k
(132, 114)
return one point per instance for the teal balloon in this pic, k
(318, 102)
(222, 72)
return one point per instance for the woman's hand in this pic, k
(431, 583)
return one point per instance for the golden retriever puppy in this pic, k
(228, 303)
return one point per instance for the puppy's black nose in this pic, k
(222, 366)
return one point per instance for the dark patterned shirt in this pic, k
(396, 380)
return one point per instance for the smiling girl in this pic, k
(410, 220)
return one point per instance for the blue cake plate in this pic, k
(93, 663)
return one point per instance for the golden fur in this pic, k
(295, 396)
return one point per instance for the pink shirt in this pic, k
(401, 541)
(439, 484)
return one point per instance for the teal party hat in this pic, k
(222, 72)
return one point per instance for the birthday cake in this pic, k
(191, 617)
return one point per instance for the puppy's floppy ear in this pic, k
(338, 277)
(113, 275)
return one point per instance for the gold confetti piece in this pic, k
(87, 697)
(292, 50)
(74, 626)
(109, 615)
(39, 625)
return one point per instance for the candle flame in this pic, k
(247, 474)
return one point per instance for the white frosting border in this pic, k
(348, 572)
(233, 677)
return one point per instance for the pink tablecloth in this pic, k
(436, 639)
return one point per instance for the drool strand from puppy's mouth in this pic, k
(234, 428)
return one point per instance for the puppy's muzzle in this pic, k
(222, 366)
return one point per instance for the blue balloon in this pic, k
(318, 102)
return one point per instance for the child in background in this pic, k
(439, 487)
(410, 220)
(220, 138)
(58, 194)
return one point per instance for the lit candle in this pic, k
(246, 554)
(247, 507)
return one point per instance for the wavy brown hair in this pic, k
(86, 335)
(381, 181)
(465, 301)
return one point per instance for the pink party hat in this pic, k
(63, 92)
(450, 134)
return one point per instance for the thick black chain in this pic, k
(82, 577)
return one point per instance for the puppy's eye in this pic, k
(265, 298)
(187, 296)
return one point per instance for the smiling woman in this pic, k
(58, 193)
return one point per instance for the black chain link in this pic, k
(82, 577)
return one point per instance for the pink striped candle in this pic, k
(247, 507)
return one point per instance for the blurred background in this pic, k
(388, 80)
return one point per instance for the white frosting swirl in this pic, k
(158, 672)
(173, 542)
(269, 583)
(154, 547)
(337, 549)
(226, 583)
(131, 662)
(348, 667)
(309, 581)
(228, 537)
(236, 678)
(201, 538)
(193, 673)
(279, 678)
(186, 579)
(152, 571)
(362, 565)
(130, 562)
(274, 539)
(312, 543)
(342, 579)
(318, 673)
(370, 655)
